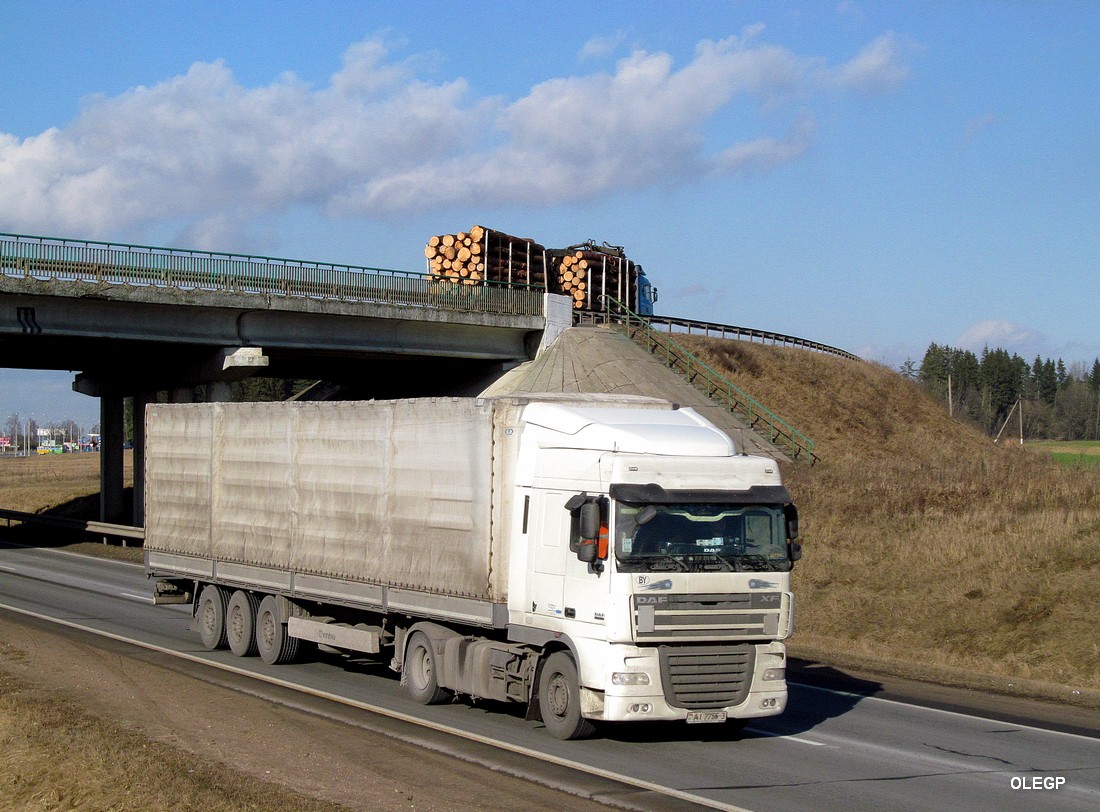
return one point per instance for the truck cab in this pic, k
(646, 294)
(660, 560)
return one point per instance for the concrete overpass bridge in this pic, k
(137, 321)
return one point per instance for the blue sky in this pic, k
(872, 175)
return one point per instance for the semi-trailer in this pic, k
(599, 558)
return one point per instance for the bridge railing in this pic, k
(103, 263)
(692, 327)
(122, 531)
(716, 386)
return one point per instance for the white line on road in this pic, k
(142, 598)
(865, 698)
(513, 748)
(784, 737)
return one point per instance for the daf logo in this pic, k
(756, 583)
(643, 600)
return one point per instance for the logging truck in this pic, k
(599, 558)
(595, 277)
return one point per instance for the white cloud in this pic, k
(880, 67)
(600, 46)
(1002, 334)
(202, 150)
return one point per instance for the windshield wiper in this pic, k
(655, 561)
(752, 562)
(703, 560)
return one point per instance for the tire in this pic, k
(274, 645)
(211, 616)
(420, 672)
(240, 623)
(560, 699)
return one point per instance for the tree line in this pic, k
(256, 389)
(1057, 402)
(21, 432)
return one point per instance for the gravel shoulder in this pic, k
(312, 764)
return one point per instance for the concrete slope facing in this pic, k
(597, 359)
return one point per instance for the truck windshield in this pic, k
(700, 538)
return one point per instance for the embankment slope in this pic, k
(930, 552)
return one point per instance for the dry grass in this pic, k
(55, 756)
(924, 542)
(45, 482)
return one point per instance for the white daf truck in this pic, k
(599, 558)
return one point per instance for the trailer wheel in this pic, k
(240, 623)
(273, 642)
(211, 616)
(560, 699)
(420, 672)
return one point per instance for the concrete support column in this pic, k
(112, 435)
(219, 392)
(140, 401)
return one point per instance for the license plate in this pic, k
(703, 717)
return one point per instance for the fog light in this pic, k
(769, 703)
(629, 678)
(775, 673)
(641, 707)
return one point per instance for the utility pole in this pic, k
(1009, 417)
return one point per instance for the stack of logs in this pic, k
(483, 255)
(584, 273)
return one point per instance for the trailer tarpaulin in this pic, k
(392, 492)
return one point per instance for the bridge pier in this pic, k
(139, 402)
(112, 505)
(219, 392)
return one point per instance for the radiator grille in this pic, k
(711, 617)
(706, 677)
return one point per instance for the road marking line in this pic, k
(785, 737)
(413, 720)
(915, 706)
(142, 598)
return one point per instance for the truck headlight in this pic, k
(774, 674)
(629, 678)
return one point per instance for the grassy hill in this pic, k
(929, 550)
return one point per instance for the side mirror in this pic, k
(586, 552)
(575, 501)
(796, 551)
(589, 521)
(790, 512)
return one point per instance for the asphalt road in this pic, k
(832, 749)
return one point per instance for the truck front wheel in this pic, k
(420, 672)
(560, 699)
(211, 616)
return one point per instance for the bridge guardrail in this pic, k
(103, 263)
(123, 531)
(706, 328)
